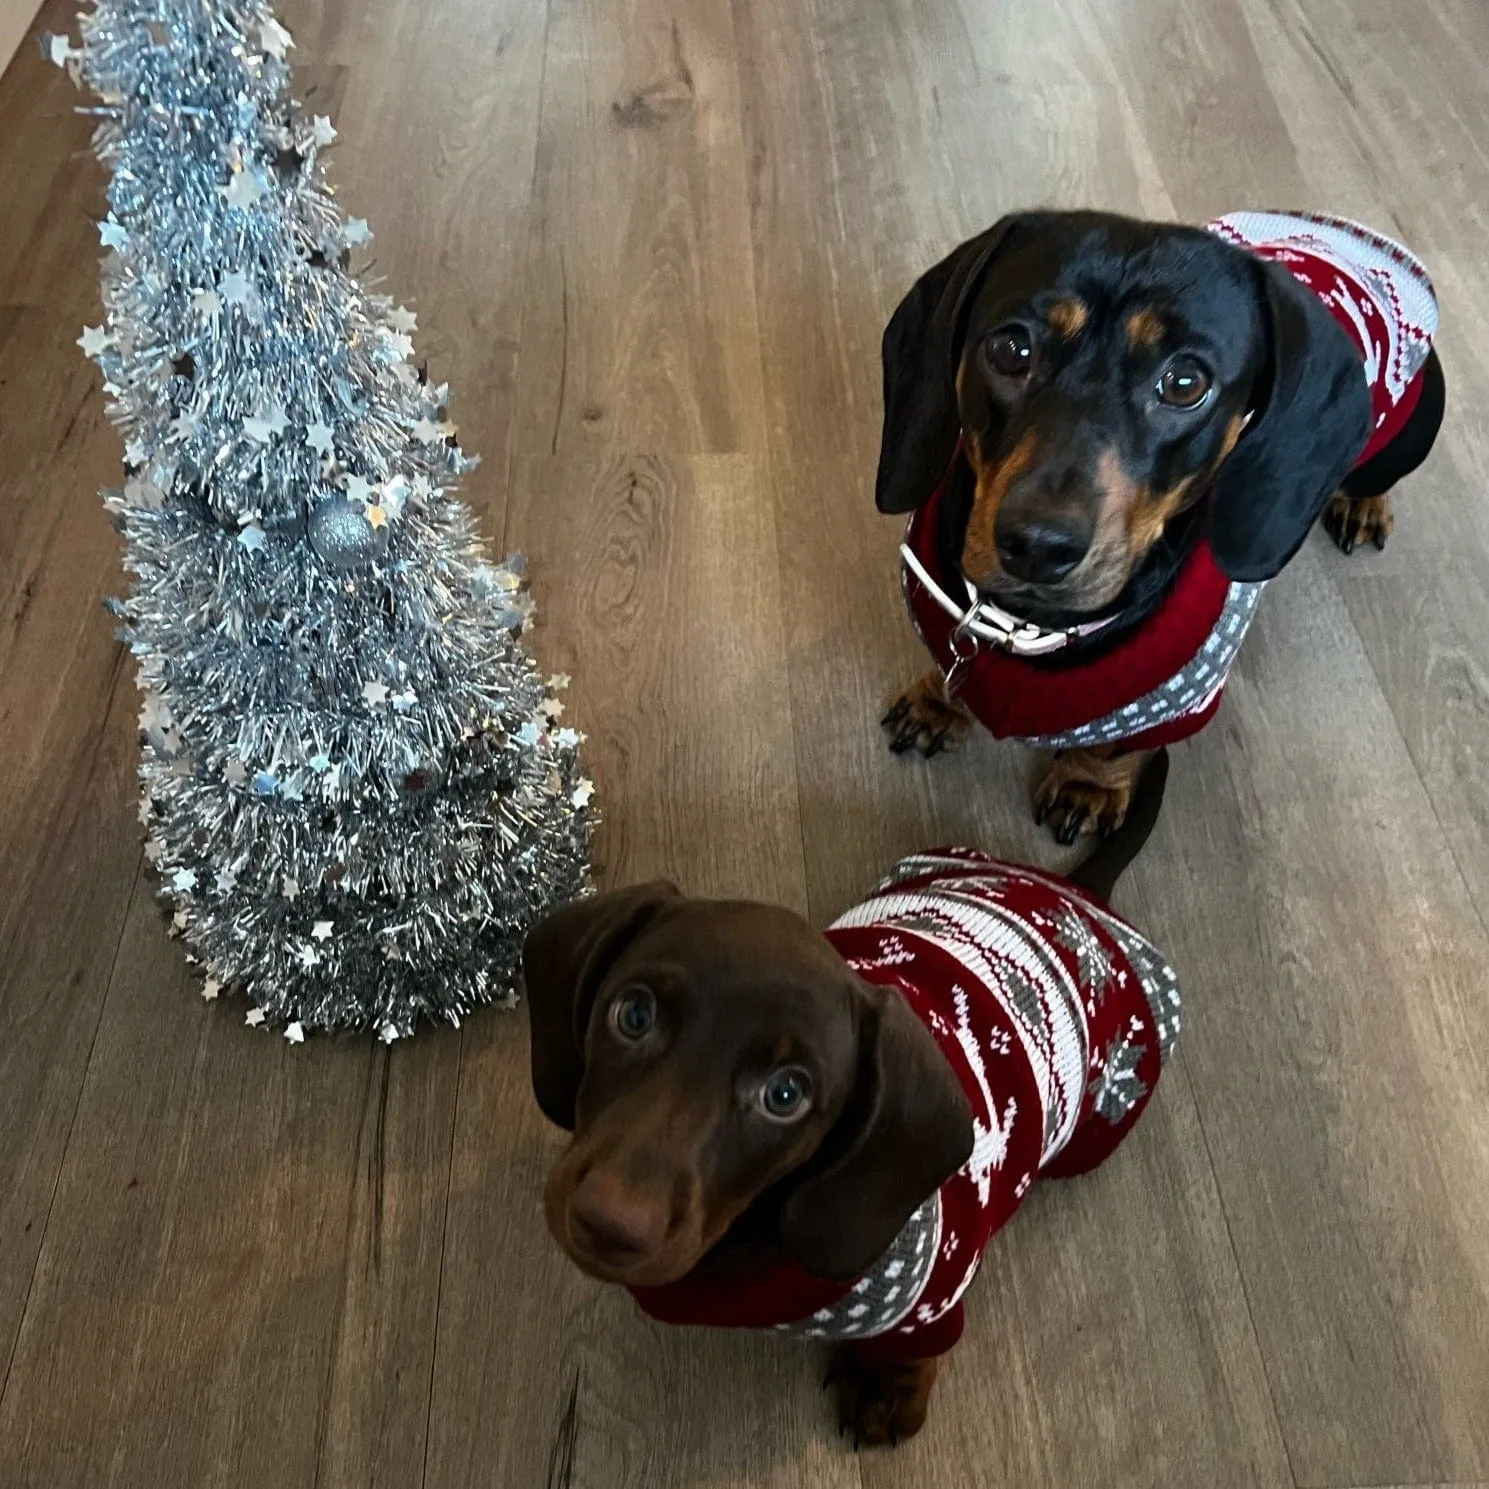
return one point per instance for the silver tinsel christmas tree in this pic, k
(356, 794)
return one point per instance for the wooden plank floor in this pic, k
(653, 248)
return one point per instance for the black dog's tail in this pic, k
(1098, 875)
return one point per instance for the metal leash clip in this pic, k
(964, 647)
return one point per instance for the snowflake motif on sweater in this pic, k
(1163, 681)
(1057, 1017)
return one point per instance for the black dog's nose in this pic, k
(1040, 551)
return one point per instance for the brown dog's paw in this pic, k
(879, 1404)
(1088, 791)
(924, 718)
(1355, 520)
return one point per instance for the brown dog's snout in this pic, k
(613, 1221)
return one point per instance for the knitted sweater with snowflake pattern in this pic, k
(1057, 1017)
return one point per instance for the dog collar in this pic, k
(979, 620)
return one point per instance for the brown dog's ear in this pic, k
(921, 351)
(1311, 419)
(564, 960)
(907, 1128)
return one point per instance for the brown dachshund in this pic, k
(779, 1128)
(1111, 434)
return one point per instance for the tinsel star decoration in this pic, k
(355, 798)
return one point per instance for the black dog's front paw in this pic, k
(1088, 791)
(925, 719)
(879, 1405)
(1353, 521)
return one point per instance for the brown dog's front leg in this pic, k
(878, 1403)
(924, 718)
(1088, 790)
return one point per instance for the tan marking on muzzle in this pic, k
(1152, 512)
(1233, 432)
(980, 548)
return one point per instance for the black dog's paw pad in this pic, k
(1072, 806)
(1356, 521)
(923, 718)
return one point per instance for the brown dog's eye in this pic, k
(632, 1016)
(1009, 350)
(1184, 383)
(786, 1094)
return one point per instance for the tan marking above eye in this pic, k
(1068, 318)
(1144, 328)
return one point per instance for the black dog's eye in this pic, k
(1009, 350)
(1184, 383)
(786, 1094)
(632, 1016)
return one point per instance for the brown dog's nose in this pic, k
(612, 1222)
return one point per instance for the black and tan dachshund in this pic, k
(1111, 433)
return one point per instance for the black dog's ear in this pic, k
(1312, 417)
(922, 346)
(564, 960)
(907, 1128)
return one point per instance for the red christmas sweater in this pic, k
(1057, 1017)
(1163, 680)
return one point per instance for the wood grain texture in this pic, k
(15, 19)
(661, 569)
(240, 1269)
(1418, 608)
(67, 720)
(1343, 1017)
(653, 248)
(1364, 748)
(49, 185)
(376, 1404)
(640, 305)
(197, 1235)
(1109, 1337)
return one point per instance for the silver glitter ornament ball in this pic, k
(342, 536)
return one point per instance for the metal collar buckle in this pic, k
(1007, 632)
(979, 621)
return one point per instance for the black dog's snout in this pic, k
(1039, 550)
